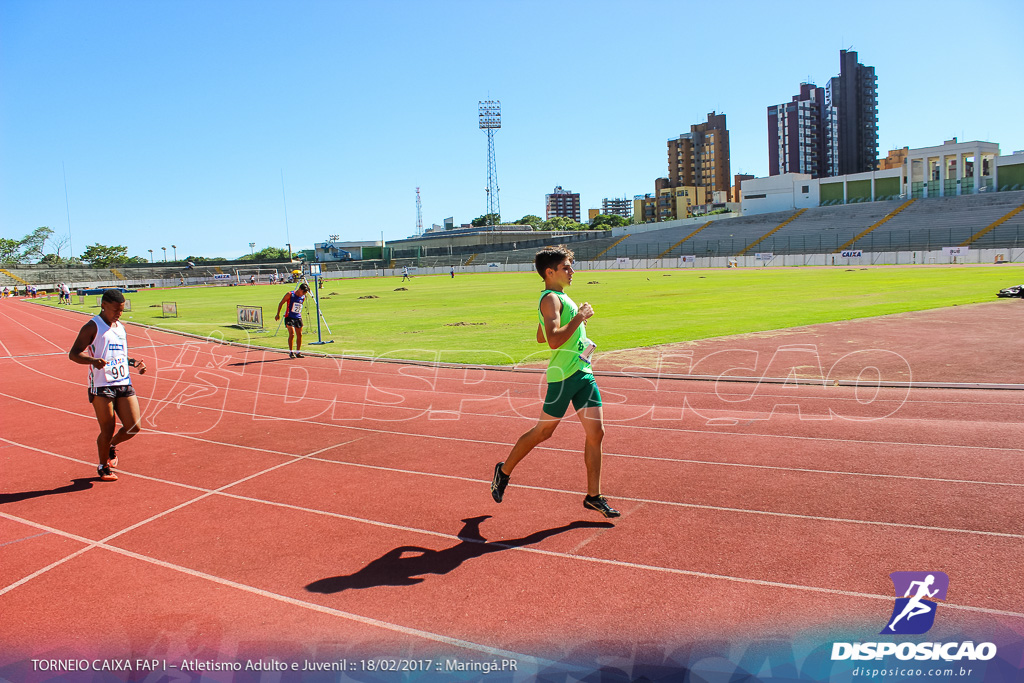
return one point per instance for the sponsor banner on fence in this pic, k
(764, 256)
(170, 309)
(493, 264)
(955, 251)
(690, 258)
(622, 259)
(250, 316)
(222, 276)
(852, 253)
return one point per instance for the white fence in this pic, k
(934, 257)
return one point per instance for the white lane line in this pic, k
(731, 412)
(19, 540)
(312, 606)
(673, 430)
(715, 508)
(21, 324)
(206, 493)
(206, 346)
(538, 551)
(64, 353)
(614, 389)
(152, 432)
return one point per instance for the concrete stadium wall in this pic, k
(976, 256)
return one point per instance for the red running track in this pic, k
(322, 507)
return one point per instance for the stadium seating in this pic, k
(949, 221)
(925, 224)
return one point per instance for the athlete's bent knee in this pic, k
(544, 433)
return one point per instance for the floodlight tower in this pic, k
(419, 214)
(490, 120)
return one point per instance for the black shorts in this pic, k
(113, 393)
(293, 322)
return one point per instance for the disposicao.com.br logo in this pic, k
(914, 614)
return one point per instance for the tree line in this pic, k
(559, 223)
(43, 246)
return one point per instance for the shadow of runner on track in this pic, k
(393, 569)
(82, 484)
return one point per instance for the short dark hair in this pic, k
(113, 296)
(304, 287)
(550, 257)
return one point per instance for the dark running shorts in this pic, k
(293, 322)
(580, 388)
(112, 393)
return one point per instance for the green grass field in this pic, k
(491, 317)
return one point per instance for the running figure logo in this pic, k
(914, 612)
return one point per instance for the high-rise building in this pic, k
(797, 134)
(854, 95)
(619, 207)
(700, 158)
(562, 203)
(896, 158)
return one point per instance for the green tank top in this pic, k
(565, 360)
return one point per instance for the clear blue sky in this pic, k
(175, 119)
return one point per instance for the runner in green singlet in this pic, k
(570, 378)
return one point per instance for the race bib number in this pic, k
(116, 368)
(297, 308)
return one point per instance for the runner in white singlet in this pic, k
(102, 344)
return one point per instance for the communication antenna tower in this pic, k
(419, 214)
(490, 121)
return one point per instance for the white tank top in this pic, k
(110, 344)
